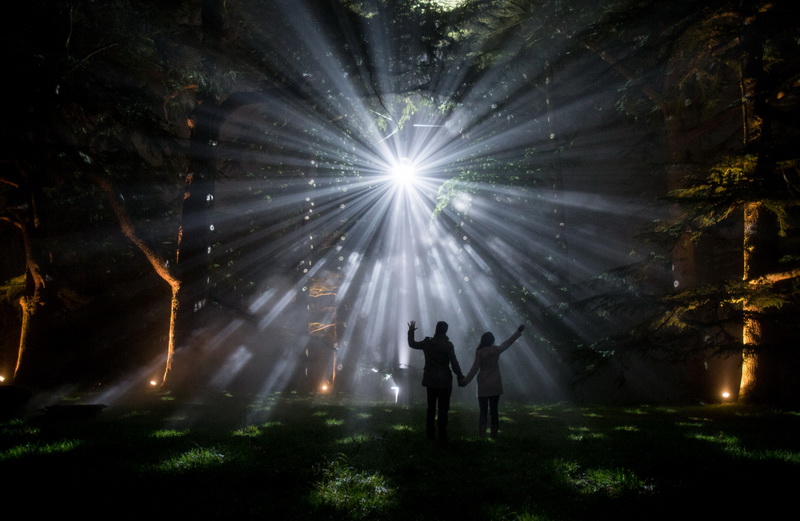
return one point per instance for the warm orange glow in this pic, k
(316, 327)
(158, 264)
(153, 382)
(324, 387)
(726, 395)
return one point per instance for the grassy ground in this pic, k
(304, 457)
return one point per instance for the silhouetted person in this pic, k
(440, 355)
(490, 384)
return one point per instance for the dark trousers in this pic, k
(438, 401)
(488, 404)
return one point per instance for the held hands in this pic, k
(462, 381)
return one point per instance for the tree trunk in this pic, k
(751, 327)
(33, 298)
(29, 305)
(758, 249)
(160, 265)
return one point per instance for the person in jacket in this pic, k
(490, 384)
(437, 378)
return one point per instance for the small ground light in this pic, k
(153, 383)
(396, 392)
(2, 378)
(324, 387)
(725, 395)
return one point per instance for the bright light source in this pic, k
(396, 392)
(726, 395)
(153, 383)
(324, 388)
(403, 172)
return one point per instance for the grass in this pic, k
(310, 457)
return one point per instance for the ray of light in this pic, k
(308, 198)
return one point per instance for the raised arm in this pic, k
(412, 327)
(513, 338)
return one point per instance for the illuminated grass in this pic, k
(549, 463)
(734, 446)
(28, 449)
(194, 459)
(358, 438)
(249, 431)
(356, 494)
(170, 433)
(611, 482)
(18, 427)
(584, 433)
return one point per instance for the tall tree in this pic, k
(769, 68)
(727, 109)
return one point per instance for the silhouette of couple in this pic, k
(437, 378)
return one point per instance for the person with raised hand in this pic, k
(437, 378)
(490, 383)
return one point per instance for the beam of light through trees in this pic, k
(339, 256)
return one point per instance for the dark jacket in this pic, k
(439, 356)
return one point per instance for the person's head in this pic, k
(487, 339)
(441, 328)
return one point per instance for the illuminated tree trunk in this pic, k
(754, 234)
(30, 303)
(759, 258)
(33, 299)
(160, 266)
(29, 306)
(751, 327)
(761, 229)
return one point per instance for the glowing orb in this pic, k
(726, 395)
(403, 172)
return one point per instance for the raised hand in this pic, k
(521, 327)
(412, 326)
